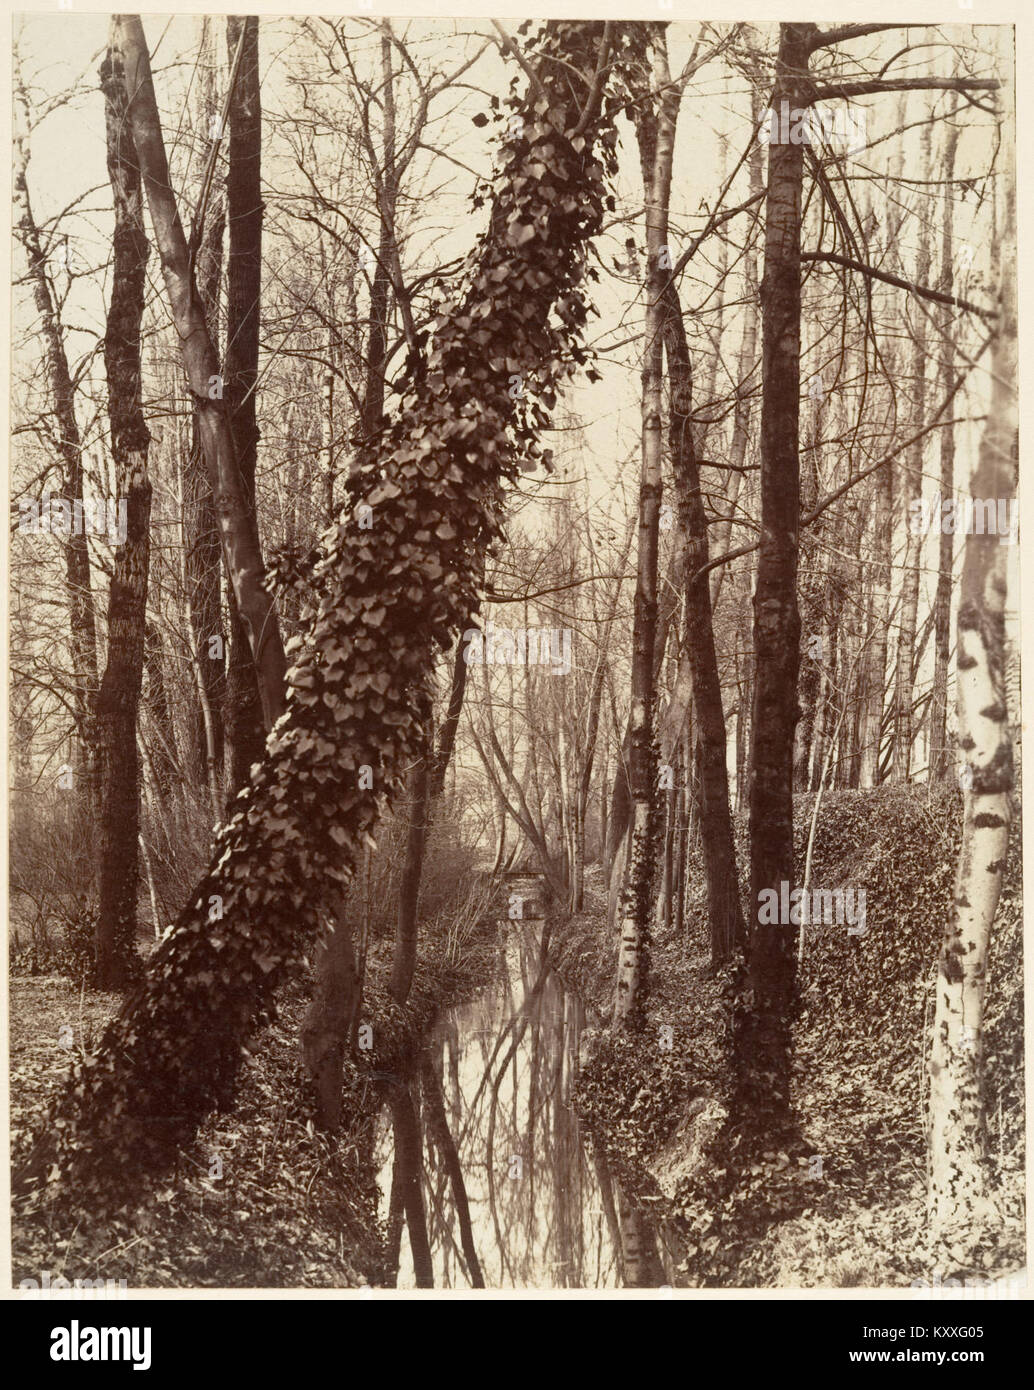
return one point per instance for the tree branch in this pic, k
(597, 82)
(906, 84)
(826, 38)
(518, 57)
(936, 296)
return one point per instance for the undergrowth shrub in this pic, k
(51, 880)
(867, 1000)
(861, 1040)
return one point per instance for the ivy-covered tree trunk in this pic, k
(958, 1175)
(118, 701)
(328, 1029)
(763, 1027)
(330, 1021)
(246, 731)
(329, 1025)
(359, 694)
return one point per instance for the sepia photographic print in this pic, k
(514, 624)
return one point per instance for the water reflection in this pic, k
(486, 1176)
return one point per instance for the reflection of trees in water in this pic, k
(640, 1262)
(438, 1131)
(646, 1259)
(490, 1172)
(406, 1186)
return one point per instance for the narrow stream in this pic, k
(485, 1174)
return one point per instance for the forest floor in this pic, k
(261, 1199)
(846, 1206)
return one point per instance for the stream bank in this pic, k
(846, 1208)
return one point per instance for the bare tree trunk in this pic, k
(812, 603)
(331, 1018)
(876, 668)
(958, 1178)
(665, 898)
(744, 370)
(640, 1262)
(904, 680)
(152, 892)
(202, 558)
(82, 627)
(328, 460)
(244, 708)
(763, 1035)
(404, 961)
(239, 535)
(637, 903)
(338, 960)
(447, 732)
(681, 846)
(203, 568)
(724, 911)
(599, 680)
(118, 700)
(825, 716)
(940, 762)
(873, 723)
(380, 288)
